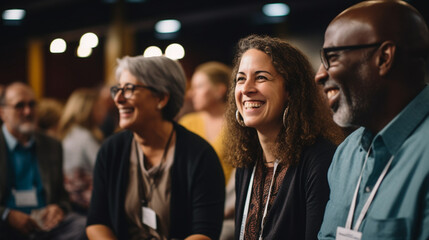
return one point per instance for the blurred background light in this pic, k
(152, 51)
(167, 26)
(88, 40)
(58, 45)
(83, 51)
(175, 51)
(13, 14)
(276, 9)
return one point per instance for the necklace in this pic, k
(148, 196)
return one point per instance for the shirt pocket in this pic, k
(391, 228)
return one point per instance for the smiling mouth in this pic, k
(332, 93)
(125, 110)
(252, 105)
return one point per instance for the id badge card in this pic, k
(348, 234)
(25, 198)
(149, 217)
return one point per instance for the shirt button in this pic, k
(367, 189)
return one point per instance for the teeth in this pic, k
(332, 93)
(125, 110)
(252, 104)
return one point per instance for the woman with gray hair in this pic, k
(155, 179)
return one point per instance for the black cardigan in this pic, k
(197, 186)
(298, 209)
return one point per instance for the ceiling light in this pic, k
(175, 51)
(152, 51)
(276, 9)
(58, 45)
(83, 51)
(89, 40)
(167, 26)
(13, 14)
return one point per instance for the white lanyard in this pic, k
(370, 198)
(249, 193)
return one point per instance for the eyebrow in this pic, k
(257, 72)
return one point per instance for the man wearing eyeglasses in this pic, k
(372, 71)
(33, 201)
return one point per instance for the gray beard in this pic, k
(27, 128)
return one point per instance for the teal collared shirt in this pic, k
(23, 171)
(400, 209)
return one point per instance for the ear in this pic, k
(163, 100)
(386, 58)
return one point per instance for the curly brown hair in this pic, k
(308, 117)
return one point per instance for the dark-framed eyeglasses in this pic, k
(324, 51)
(128, 90)
(22, 104)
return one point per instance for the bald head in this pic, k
(374, 62)
(390, 20)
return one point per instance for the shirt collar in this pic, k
(396, 131)
(11, 141)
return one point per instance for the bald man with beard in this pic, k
(373, 67)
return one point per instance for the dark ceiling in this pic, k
(46, 17)
(210, 30)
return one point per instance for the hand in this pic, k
(22, 222)
(51, 216)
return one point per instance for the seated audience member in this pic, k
(109, 125)
(281, 138)
(33, 201)
(373, 66)
(81, 139)
(154, 180)
(48, 113)
(209, 88)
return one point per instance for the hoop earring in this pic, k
(239, 119)
(285, 115)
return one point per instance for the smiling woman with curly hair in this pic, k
(281, 136)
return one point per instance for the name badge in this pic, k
(348, 234)
(25, 198)
(149, 217)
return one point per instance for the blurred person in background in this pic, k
(281, 138)
(155, 179)
(109, 125)
(49, 112)
(209, 88)
(81, 140)
(33, 201)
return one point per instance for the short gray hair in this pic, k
(161, 73)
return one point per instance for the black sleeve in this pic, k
(239, 201)
(317, 188)
(98, 211)
(208, 195)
